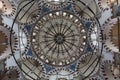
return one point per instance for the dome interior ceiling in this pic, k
(59, 40)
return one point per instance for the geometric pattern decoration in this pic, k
(59, 40)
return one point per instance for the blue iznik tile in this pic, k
(28, 28)
(44, 10)
(73, 66)
(48, 68)
(30, 53)
(69, 8)
(89, 48)
(88, 24)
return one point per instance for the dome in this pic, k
(59, 40)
